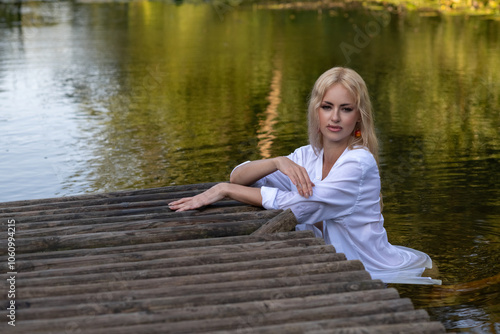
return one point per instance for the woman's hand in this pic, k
(207, 197)
(297, 174)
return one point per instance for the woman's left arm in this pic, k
(237, 192)
(354, 179)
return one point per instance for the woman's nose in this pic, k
(335, 116)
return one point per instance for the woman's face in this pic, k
(338, 116)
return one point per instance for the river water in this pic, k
(98, 97)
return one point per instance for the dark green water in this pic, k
(102, 97)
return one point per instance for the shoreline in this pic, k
(425, 8)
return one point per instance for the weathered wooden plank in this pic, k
(106, 204)
(247, 326)
(233, 271)
(79, 214)
(326, 325)
(125, 222)
(272, 318)
(173, 286)
(119, 238)
(415, 328)
(103, 306)
(300, 237)
(135, 280)
(76, 213)
(283, 222)
(149, 224)
(209, 311)
(288, 316)
(149, 290)
(116, 194)
(26, 264)
(96, 208)
(99, 203)
(203, 259)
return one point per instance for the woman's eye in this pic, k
(347, 109)
(326, 107)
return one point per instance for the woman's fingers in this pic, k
(185, 204)
(297, 174)
(210, 196)
(304, 185)
(301, 180)
(181, 205)
(180, 201)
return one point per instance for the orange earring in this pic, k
(357, 133)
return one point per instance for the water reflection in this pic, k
(266, 133)
(101, 97)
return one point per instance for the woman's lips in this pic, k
(334, 128)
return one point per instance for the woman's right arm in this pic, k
(251, 172)
(245, 175)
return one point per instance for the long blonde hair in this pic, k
(353, 82)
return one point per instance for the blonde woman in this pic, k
(332, 185)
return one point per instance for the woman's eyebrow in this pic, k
(342, 105)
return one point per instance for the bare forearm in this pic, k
(219, 191)
(244, 194)
(251, 172)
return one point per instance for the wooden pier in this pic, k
(124, 262)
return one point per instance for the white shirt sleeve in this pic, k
(333, 197)
(276, 180)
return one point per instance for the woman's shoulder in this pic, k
(304, 155)
(360, 154)
(305, 151)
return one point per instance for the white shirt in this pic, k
(348, 203)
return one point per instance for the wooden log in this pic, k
(251, 258)
(100, 202)
(264, 317)
(123, 193)
(251, 324)
(104, 209)
(129, 281)
(298, 237)
(26, 265)
(283, 222)
(81, 213)
(174, 286)
(61, 228)
(148, 290)
(104, 204)
(138, 289)
(232, 271)
(106, 307)
(274, 318)
(414, 328)
(157, 260)
(210, 311)
(310, 326)
(146, 224)
(64, 226)
(119, 238)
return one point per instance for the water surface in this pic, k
(100, 97)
